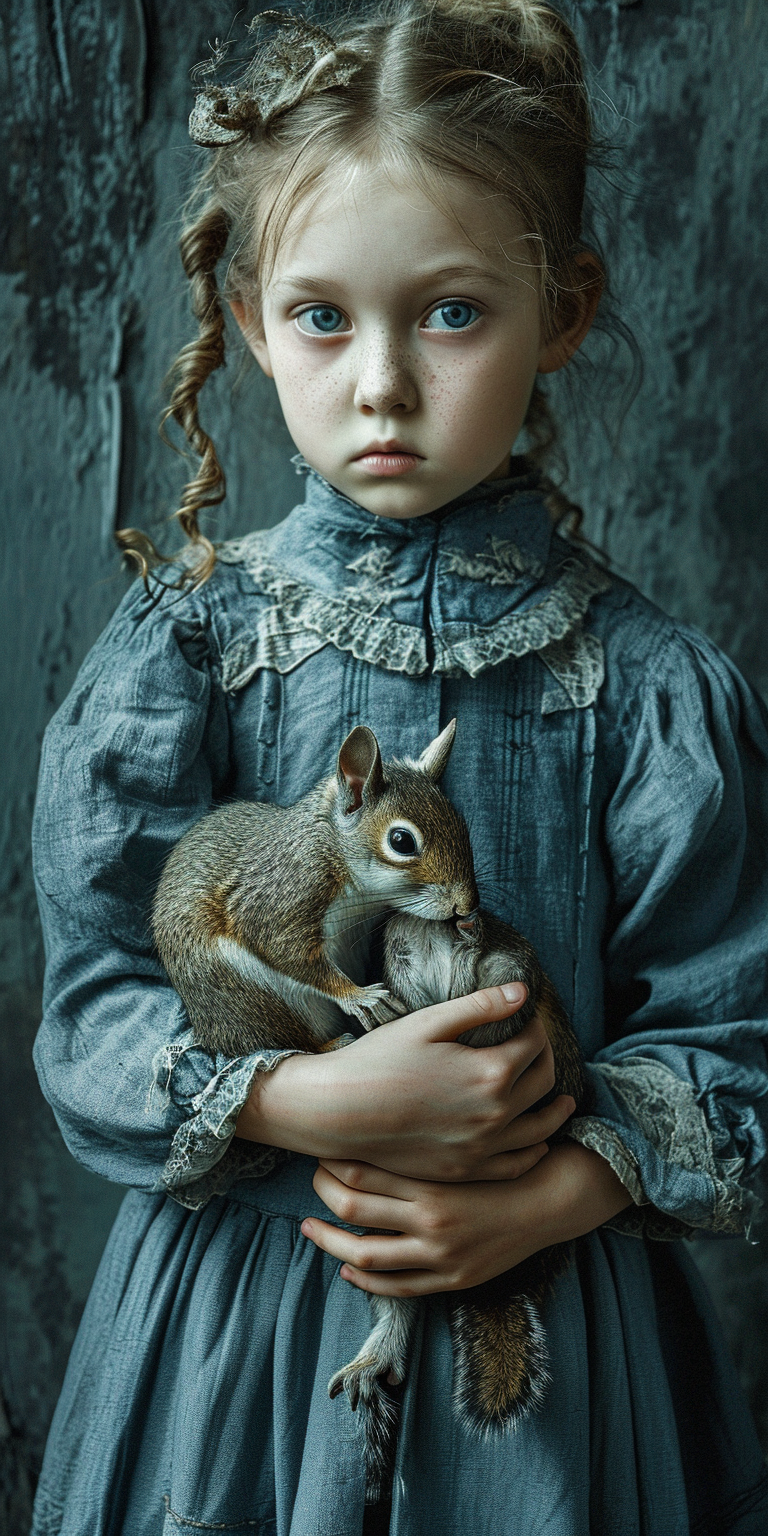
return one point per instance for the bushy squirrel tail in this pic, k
(500, 1360)
(499, 1364)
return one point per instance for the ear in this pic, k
(578, 310)
(434, 757)
(361, 775)
(253, 333)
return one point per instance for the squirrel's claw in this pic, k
(374, 1005)
(359, 1373)
(364, 1383)
(400, 1008)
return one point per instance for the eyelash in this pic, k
(446, 304)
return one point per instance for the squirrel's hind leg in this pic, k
(381, 1363)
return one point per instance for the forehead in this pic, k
(364, 217)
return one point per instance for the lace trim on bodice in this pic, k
(302, 619)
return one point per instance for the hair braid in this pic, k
(202, 246)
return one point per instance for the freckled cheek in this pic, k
(475, 400)
(308, 394)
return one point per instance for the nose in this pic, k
(465, 921)
(385, 380)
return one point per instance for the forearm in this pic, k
(292, 1108)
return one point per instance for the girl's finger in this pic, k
(359, 1209)
(365, 1253)
(534, 1126)
(444, 1021)
(536, 1079)
(510, 1165)
(513, 1059)
(370, 1179)
(409, 1282)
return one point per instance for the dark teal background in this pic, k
(94, 96)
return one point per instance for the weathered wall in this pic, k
(93, 99)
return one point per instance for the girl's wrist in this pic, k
(276, 1110)
(584, 1192)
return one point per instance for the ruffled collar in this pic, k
(484, 579)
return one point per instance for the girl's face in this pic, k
(404, 350)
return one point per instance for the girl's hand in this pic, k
(408, 1098)
(451, 1236)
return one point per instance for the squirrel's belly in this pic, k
(418, 958)
(323, 1017)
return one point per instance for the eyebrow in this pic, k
(310, 285)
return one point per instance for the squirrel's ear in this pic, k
(360, 771)
(434, 757)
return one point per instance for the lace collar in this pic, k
(483, 579)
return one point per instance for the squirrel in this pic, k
(263, 913)
(263, 917)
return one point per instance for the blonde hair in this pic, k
(492, 90)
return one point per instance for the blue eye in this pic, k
(325, 320)
(456, 316)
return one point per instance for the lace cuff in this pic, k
(204, 1159)
(660, 1145)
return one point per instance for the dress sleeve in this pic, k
(131, 760)
(681, 1089)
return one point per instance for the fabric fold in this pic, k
(653, 1133)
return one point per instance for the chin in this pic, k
(385, 497)
(397, 498)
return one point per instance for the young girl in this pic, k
(397, 212)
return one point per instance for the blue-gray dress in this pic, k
(612, 766)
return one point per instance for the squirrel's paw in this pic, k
(338, 1044)
(374, 1005)
(368, 1381)
(384, 1355)
(379, 1409)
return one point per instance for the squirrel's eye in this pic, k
(402, 841)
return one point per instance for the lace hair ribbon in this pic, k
(299, 52)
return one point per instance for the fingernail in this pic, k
(514, 991)
(306, 1227)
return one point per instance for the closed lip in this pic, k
(392, 446)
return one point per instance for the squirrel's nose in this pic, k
(465, 921)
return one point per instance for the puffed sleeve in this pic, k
(681, 1088)
(134, 756)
